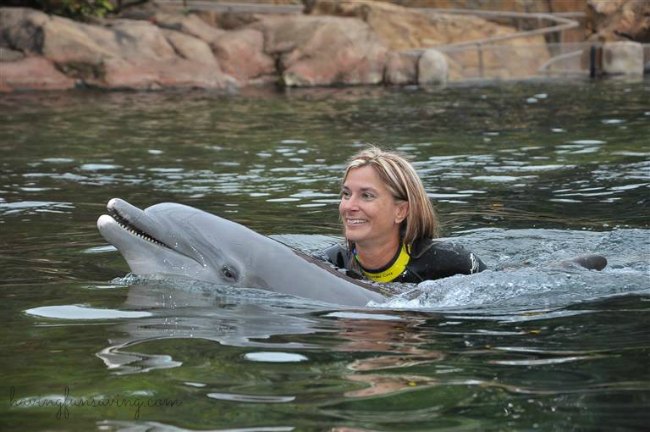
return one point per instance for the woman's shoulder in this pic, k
(337, 254)
(340, 256)
(446, 256)
(428, 245)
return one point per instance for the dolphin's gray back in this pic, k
(270, 264)
(289, 271)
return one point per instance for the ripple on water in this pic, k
(550, 167)
(57, 160)
(34, 207)
(77, 312)
(99, 167)
(283, 200)
(496, 179)
(233, 397)
(274, 357)
(588, 142)
(612, 121)
(312, 205)
(580, 147)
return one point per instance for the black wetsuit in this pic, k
(429, 259)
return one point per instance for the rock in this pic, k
(141, 40)
(432, 68)
(618, 20)
(33, 73)
(190, 48)
(402, 28)
(323, 50)
(58, 39)
(124, 54)
(623, 58)
(65, 41)
(93, 53)
(189, 24)
(9, 55)
(241, 55)
(209, 17)
(151, 75)
(526, 6)
(401, 68)
(21, 28)
(406, 29)
(233, 20)
(341, 42)
(144, 11)
(398, 28)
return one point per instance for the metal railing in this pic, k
(558, 24)
(219, 6)
(561, 23)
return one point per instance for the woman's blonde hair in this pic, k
(405, 185)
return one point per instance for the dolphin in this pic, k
(175, 239)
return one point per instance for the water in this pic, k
(525, 175)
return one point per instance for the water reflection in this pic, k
(521, 277)
(187, 309)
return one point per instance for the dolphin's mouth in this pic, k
(124, 223)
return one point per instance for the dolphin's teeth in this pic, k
(124, 224)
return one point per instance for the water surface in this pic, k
(524, 174)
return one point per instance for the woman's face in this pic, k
(369, 212)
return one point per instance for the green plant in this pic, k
(78, 9)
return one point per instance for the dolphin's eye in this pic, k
(228, 273)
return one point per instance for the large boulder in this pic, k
(139, 40)
(623, 58)
(188, 24)
(32, 73)
(20, 29)
(323, 50)
(151, 75)
(401, 68)
(241, 55)
(190, 48)
(432, 68)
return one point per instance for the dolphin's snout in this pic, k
(112, 203)
(122, 207)
(103, 220)
(123, 210)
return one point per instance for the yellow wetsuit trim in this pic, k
(392, 272)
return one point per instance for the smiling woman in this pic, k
(390, 225)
